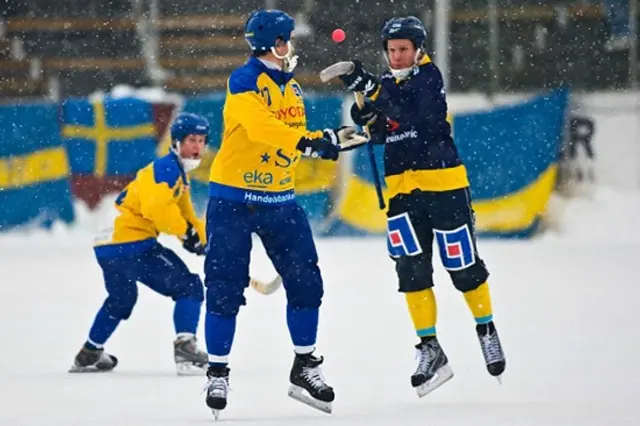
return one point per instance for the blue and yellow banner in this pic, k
(511, 157)
(34, 169)
(317, 179)
(511, 154)
(108, 137)
(356, 210)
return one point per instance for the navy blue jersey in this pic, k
(419, 149)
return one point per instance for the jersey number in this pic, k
(266, 95)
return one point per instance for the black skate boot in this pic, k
(217, 388)
(433, 367)
(491, 349)
(93, 361)
(189, 359)
(306, 377)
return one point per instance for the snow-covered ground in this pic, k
(566, 305)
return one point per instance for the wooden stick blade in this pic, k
(266, 287)
(355, 140)
(336, 70)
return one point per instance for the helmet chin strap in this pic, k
(290, 60)
(188, 164)
(403, 73)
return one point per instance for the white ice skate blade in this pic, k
(444, 374)
(188, 369)
(216, 414)
(301, 395)
(87, 369)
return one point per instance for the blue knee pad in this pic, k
(192, 288)
(225, 298)
(415, 273)
(120, 304)
(304, 287)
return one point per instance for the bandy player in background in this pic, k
(406, 110)
(156, 201)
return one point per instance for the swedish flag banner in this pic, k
(108, 137)
(34, 169)
(510, 153)
(511, 156)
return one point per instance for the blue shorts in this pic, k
(158, 268)
(286, 235)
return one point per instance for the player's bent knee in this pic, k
(218, 307)
(120, 308)
(470, 278)
(415, 273)
(196, 288)
(189, 286)
(305, 292)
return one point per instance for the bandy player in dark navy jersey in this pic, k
(406, 110)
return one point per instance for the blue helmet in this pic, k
(409, 28)
(264, 27)
(186, 124)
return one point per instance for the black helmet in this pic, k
(409, 28)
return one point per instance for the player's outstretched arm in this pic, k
(246, 106)
(188, 213)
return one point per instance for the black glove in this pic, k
(191, 241)
(365, 116)
(340, 135)
(318, 148)
(360, 80)
(346, 137)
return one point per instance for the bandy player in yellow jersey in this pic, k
(251, 190)
(156, 201)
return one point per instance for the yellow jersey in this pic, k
(157, 200)
(264, 118)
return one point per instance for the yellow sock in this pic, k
(479, 302)
(423, 311)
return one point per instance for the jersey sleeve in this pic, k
(158, 204)
(186, 208)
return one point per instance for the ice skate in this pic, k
(189, 359)
(433, 367)
(93, 361)
(491, 349)
(217, 388)
(308, 385)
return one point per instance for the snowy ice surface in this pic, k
(566, 305)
